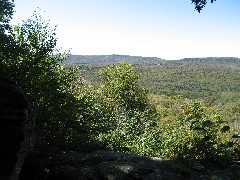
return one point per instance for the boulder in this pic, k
(98, 165)
(15, 129)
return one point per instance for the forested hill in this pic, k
(114, 58)
(214, 60)
(109, 59)
(189, 77)
(193, 78)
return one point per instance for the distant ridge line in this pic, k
(115, 58)
(107, 59)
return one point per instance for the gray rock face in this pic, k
(99, 165)
(15, 129)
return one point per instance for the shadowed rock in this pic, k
(15, 129)
(98, 165)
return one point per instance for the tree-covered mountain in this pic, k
(190, 77)
(114, 58)
(108, 59)
(220, 61)
(193, 78)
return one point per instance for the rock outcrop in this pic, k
(15, 129)
(98, 165)
(109, 165)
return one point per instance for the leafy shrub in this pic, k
(72, 113)
(120, 84)
(132, 119)
(195, 135)
(30, 59)
(135, 134)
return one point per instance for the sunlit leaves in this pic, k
(132, 120)
(33, 63)
(194, 136)
(120, 83)
(35, 36)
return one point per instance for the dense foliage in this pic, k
(133, 118)
(6, 9)
(29, 60)
(194, 134)
(114, 111)
(193, 78)
(187, 127)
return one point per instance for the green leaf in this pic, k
(223, 122)
(198, 128)
(189, 118)
(207, 123)
(236, 136)
(225, 129)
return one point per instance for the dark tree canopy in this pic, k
(200, 4)
(6, 10)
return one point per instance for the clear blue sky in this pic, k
(169, 29)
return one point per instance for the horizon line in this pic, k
(203, 57)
